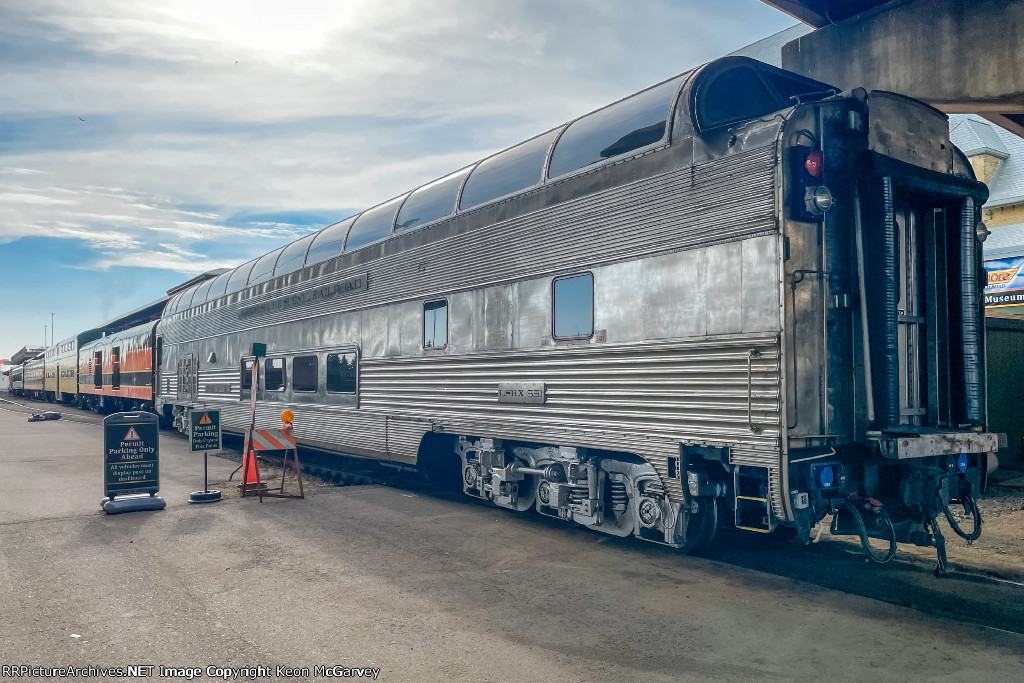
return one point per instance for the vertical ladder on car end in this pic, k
(752, 501)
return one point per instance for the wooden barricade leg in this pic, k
(298, 473)
(279, 491)
(284, 471)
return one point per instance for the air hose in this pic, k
(881, 519)
(970, 508)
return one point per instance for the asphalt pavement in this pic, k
(420, 587)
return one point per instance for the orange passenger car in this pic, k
(116, 372)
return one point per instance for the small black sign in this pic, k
(131, 447)
(205, 434)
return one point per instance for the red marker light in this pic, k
(813, 163)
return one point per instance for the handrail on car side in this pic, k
(751, 354)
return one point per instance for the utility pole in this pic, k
(51, 329)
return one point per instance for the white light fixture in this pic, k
(818, 200)
(983, 231)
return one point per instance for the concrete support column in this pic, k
(958, 55)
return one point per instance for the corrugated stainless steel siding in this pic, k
(218, 384)
(642, 398)
(722, 200)
(339, 428)
(756, 457)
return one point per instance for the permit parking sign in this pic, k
(131, 462)
(205, 433)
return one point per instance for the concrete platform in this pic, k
(422, 587)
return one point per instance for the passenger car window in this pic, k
(373, 224)
(173, 304)
(735, 95)
(329, 242)
(430, 202)
(619, 128)
(573, 307)
(273, 374)
(186, 298)
(219, 283)
(293, 256)
(506, 172)
(264, 268)
(201, 293)
(239, 277)
(734, 89)
(435, 324)
(304, 373)
(341, 373)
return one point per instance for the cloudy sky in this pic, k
(143, 142)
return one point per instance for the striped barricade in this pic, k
(269, 440)
(272, 440)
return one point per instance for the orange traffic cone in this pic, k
(251, 474)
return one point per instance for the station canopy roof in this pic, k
(26, 353)
(142, 314)
(818, 13)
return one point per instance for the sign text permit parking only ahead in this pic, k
(131, 454)
(205, 435)
(131, 462)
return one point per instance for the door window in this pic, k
(273, 374)
(304, 376)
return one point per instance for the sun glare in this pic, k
(272, 26)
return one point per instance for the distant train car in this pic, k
(17, 386)
(57, 359)
(50, 373)
(115, 372)
(62, 367)
(34, 386)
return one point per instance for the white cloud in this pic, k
(258, 61)
(189, 264)
(197, 111)
(19, 171)
(147, 130)
(30, 198)
(100, 239)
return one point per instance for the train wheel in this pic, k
(701, 523)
